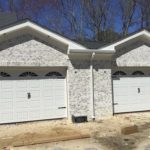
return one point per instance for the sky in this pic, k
(52, 14)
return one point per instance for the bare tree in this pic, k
(12, 7)
(27, 8)
(144, 13)
(67, 10)
(97, 15)
(127, 9)
(72, 15)
(81, 19)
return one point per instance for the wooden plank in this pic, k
(30, 139)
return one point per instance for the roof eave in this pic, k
(113, 45)
(42, 30)
(90, 51)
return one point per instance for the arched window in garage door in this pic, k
(28, 74)
(54, 75)
(138, 73)
(119, 73)
(4, 74)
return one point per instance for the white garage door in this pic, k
(131, 94)
(32, 96)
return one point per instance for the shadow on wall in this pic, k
(125, 49)
(80, 64)
(10, 42)
(102, 64)
(85, 64)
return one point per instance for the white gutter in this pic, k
(90, 51)
(92, 108)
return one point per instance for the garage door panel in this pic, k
(20, 95)
(144, 90)
(48, 103)
(26, 98)
(20, 84)
(6, 95)
(59, 98)
(6, 84)
(123, 91)
(6, 116)
(130, 91)
(131, 94)
(34, 114)
(34, 104)
(61, 112)
(125, 82)
(132, 101)
(21, 105)
(125, 86)
(58, 101)
(48, 98)
(48, 113)
(34, 84)
(35, 94)
(48, 84)
(47, 92)
(21, 115)
(59, 104)
(59, 81)
(125, 99)
(59, 93)
(131, 108)
(6, 106)
(57, 113)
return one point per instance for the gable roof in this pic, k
(32, 25)
(144, 33)
(72, 46)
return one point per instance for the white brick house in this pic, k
(44, 75)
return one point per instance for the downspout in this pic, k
(92, 87)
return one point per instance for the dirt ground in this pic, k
(104, 133)
(81, 144)
(108, 133)
(40, 132)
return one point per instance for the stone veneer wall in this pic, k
(28, 51)
(79, 87)
(134, 55)
(102, 89)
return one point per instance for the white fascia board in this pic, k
(112, 46)
(12, 29)
(71, 44)
(92, 51)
